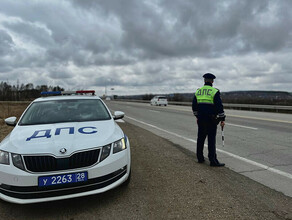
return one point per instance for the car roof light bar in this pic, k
(51, 93)
(78, 92)
(68, 92)
(85, 91)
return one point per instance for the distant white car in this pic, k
(63, 146)
(159, 100)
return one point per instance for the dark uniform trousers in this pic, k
(207, 126)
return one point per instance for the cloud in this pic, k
(6, 43)
(147, 46)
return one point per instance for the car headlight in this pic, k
(4, 157)
(17, 161)
(105, 152)
(119, 146)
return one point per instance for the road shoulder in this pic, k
(191, 190)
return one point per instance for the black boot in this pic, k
(216, 163)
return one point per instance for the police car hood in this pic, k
(50, 138)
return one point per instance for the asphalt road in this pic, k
(257, 144)
(166, 183)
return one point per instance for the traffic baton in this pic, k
(222, 135)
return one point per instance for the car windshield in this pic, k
(58, 111)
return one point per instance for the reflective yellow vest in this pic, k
(206, 94)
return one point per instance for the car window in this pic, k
(58, 111)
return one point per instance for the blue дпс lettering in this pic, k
(47, 132)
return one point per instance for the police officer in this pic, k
(207, 107)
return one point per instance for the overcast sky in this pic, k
(150, 46)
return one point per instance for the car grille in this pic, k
(50, 163)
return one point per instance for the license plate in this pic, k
(62, 179)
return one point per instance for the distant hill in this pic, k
(258, 97)
(239, 97)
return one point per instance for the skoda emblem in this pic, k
(63, 150)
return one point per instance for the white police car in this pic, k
(63, 147)
(159, 100)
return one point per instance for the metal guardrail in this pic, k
(273, 108)
(253, 106)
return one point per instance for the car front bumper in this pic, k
(21, 187)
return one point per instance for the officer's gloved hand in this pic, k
(222, 124)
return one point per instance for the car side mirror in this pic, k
(11, 121)
(118, 115)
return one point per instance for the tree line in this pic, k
(23, 92)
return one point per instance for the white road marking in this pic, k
(169, 132)
(263, 119)
(241, 126)
(273, 170)
(154, 111)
